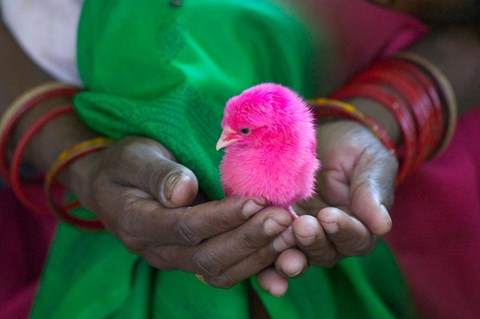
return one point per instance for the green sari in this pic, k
(165, 72)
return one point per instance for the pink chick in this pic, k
(270, 146)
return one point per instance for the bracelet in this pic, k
(64, 159)
(324, 107)
(398, 107)
(429, 89)
(448, 96)
(22, 105)
(419, 106)
(18, 153)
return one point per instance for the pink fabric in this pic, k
(364, 32)
(25, 241)
(436, 232)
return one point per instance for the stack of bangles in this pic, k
(47, 197)
(417, 94)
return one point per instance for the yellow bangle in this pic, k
(64, 159)
(202, 279)
(326, 107)
(447, 94)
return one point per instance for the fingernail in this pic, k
(384, 211)
(281, 243)
(307, 241)
(297, 273)
(250, 208)
(271, 227)
(170, 184)
(387, 216)
(330, 228)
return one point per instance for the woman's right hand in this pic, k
(142, 195)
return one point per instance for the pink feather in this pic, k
(269, 135)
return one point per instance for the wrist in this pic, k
(79, 176)
(56, 136)
(405, 101)
(380, 114)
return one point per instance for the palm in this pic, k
(355, 167)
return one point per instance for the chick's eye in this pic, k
(245, 131)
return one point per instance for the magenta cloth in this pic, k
(26, 237)
(436, 228)
(364, 32)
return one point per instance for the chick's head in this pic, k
(264, 114)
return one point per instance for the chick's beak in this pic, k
(226, 138)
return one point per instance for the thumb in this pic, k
(373, 192)
(176, 185)
(371, 210)
(149, 166)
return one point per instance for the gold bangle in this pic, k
(326, 107)
(201, 279)
(20, 106)
(31, 94)
(447, 95)
(63, 160)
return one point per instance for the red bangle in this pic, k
(17, 187)
(445, 92)
(62, 162)
(324, 107)
(398, 108)
(419, 105)
(19, 107)
(428, 88)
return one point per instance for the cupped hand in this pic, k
(350, 210)
(144, 197)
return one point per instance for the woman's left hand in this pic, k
(350, 210)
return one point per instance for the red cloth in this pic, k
(23, 249)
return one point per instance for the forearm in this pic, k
(437, 13)
(454, 51)
(19, 74)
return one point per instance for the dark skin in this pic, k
(155, 219)
(437, 12)
(154, 213)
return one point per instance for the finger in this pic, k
(291, 263)
(270, 280)
(215, 256)
(150, 167)
(259, 260)
(372, 191)
(146, 222)
(349, 236)
(312, 240)
(368, 206)
(245, 268)
(176, 257)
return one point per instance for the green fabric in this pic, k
(165, 72)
